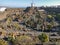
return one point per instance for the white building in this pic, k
(2, 9)
(41, 10)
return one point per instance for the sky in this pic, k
(25, 3)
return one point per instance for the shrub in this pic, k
(3, 42)
(23, 40)
(43, 37)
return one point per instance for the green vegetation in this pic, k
(3, 42)
(49, 27)
(17, 26)
(23, 40)
(9, 20)
(43, 37)
(28, 24)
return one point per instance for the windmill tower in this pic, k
(32, 4)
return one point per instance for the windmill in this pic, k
(32, 4)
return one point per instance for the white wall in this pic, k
(2, 9)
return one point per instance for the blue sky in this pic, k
(25, 3)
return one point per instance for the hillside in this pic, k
(34, 15)
(30, 26)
